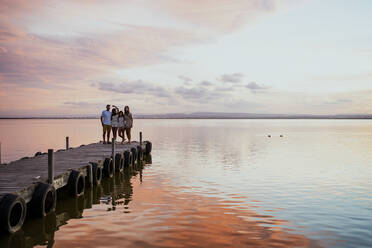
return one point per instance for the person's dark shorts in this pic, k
(106, 128)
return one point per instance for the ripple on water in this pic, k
(219, 183)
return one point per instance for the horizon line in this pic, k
(288, 117)
(208, 115)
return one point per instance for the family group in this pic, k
(117, 121)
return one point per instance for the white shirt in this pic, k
(115, 121)
(106, 117)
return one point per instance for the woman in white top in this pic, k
(114, 121)
(121, 126)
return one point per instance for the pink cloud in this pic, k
(31, 60)
(40, 72)
(39, 60)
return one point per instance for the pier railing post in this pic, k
(67, 143)
(113, 152)
(50, 166)
(141, 139)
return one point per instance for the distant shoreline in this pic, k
(195, 118)
(215, 115)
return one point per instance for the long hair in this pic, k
(113, 112)
(121, 114)
(126, 110)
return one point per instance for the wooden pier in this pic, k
(28, 186)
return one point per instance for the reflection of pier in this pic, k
(40, 231)
(28, 186)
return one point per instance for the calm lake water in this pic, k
(213, 183)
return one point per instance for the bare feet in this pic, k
(104, 142)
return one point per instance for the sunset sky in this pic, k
(71, 58)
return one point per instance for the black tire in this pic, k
(119, 162)
(108, 167)
(134, 155)
(13, 211)
(76, 183)
(127, 158)
(148, 159)
(97, 174)
(44, 200)
(139, 154)
(148, 147)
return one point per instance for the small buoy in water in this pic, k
(269, 136)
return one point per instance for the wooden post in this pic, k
(67, 143)
(0, 153)
(141, 139)
(113, 152)
(50, 166)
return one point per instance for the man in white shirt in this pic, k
(106, 123)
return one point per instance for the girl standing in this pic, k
(121, 126)
(128, 122)
(114, 121)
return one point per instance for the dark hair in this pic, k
(113, 112)
(121, 112)
(125, 110)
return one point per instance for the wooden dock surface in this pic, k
(18, 176)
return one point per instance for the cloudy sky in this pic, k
(70, 58)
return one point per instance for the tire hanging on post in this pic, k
(44, 200)
(13, 211)
(127, 158)
(76, 183)
(148, 147)
(97, 174)
(119, 162)
(134, 155)
(108, 167)
(139, 154)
